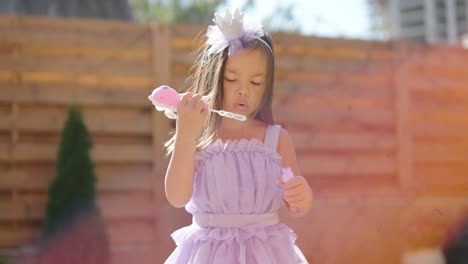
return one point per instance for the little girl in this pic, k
(227, 173)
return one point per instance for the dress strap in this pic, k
(272, 136)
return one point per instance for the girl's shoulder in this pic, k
(284, 136)
(287, 151)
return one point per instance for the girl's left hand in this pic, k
(297, 194)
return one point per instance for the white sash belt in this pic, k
(235, 220)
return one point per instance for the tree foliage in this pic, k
(102, 9)
(197, 12)
(72, 192)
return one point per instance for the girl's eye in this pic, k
(229, 79)
(256, 83)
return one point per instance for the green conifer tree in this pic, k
(72, 192)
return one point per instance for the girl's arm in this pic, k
(180, 171)
(297, 193)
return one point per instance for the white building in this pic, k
(432, 21)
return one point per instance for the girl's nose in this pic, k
(242, 90)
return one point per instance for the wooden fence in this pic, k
(380, 130)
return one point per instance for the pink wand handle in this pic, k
(287, 175)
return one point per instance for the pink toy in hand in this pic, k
(287, 175)
(166, 99)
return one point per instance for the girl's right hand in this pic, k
(191, 116)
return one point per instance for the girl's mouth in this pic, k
(241, 106)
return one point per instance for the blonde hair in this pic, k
(207, 78)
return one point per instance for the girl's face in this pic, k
(244, 81)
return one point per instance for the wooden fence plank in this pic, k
(187, 31)
(6, 122)
(7, 96)
(320, 102)
(438, 117)
(162, 53)
(8, 21)
(115, 153)
(109, 178)
(77, 52)
(76, 31)
(319, 116)
(369, 186)
(7, 77)
(447, 90)
(313, 62)
(67, 94)
(439, 190)
(19, 210)
(459, 139)
(439, 71)
(78, 66)
(362, 79)
(77, 25)
(98, 120)
(446, 105)
(439, 129)
(294, 39)
(315, 140)
(441, 175)
(5, 152)
(11, 180)
(403, 131)
(131, 233)
(328, 52)
(336, 88)
(11, 238)
(139, 40)
(5, 137)
(440, 152)
(131, 181)
(431, 85)
(46, 78)
(85, 79)
(54, 138)
(320, 164)
(136, 205)
(112, 153)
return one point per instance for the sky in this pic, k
(328, 18)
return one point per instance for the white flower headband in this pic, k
(233, 31)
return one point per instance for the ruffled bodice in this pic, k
(237, 176)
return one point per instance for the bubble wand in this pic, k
(166, 99)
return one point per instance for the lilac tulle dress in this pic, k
(234, 206)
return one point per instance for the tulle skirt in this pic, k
(274, 244)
